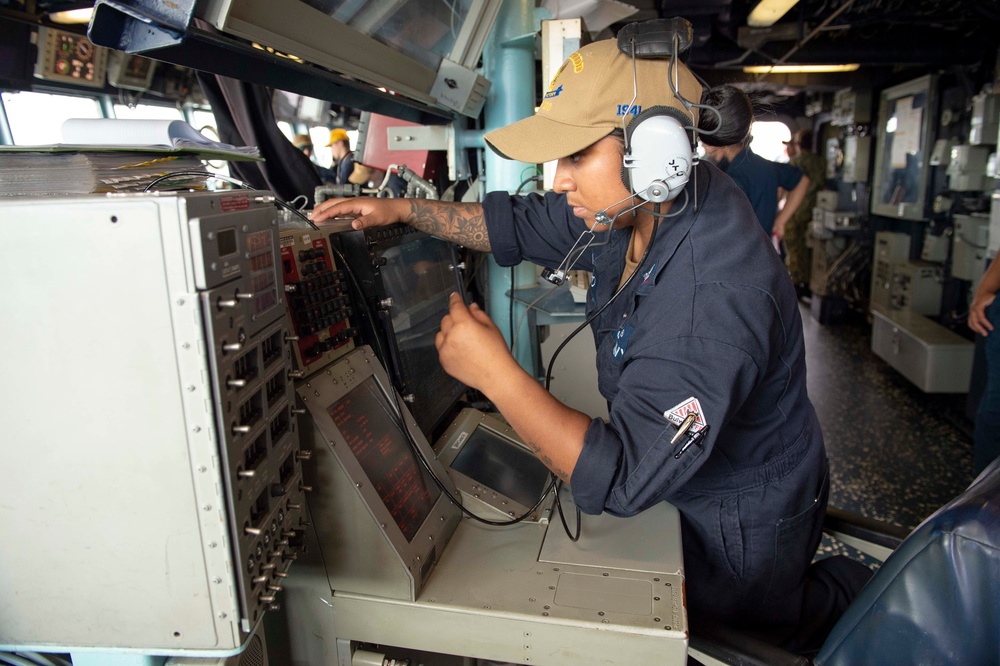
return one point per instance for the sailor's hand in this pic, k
(366, 211)
(471, 347)
(978, 321)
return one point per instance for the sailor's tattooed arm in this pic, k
(461, 223)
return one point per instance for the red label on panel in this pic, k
(234, 202)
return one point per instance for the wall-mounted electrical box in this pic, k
(969, 247)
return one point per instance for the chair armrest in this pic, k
(866, 529)
(735, 647)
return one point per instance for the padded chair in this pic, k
(935, 600)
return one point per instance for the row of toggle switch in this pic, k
(286, 542)
(331, 342)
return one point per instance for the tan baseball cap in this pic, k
(587, 99)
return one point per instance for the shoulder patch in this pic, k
(679, 412)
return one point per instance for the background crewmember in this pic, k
(798, 257)
(759, 179)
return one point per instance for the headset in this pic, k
(660, 141)
(658, 156)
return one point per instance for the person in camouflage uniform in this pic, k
(799, 255)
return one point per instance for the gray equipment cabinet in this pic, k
(150, 483)
(935, 359)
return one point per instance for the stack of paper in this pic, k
(49, 173)
(110, 155)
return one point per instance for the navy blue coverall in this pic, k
(760, 179)
(712, 317)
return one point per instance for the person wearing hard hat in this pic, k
(340, 146)
(304, 143)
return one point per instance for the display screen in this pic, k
(418, 277)
(502, 465)
(902, 169)
(227, 242)
(365, 419)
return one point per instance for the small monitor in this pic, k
(492, 467)
(381, 520)
(132, 72)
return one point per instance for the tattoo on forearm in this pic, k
(548, 462)
(456, 222)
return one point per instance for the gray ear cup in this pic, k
(660, 156)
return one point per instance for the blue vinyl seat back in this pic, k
(936, 599)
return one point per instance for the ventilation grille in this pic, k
(254, 654)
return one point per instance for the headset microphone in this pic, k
(587, 239)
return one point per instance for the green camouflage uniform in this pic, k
(799, 259)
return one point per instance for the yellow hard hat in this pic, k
(338, 134)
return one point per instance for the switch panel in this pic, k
(320, 304)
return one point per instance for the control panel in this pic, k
(320, 306)
(174, 460)
(237, 256)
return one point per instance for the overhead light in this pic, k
(767, 12)
(72, 16)
(800, 69)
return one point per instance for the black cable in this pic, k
(232, 181)
(552, 361)
(293, 209)
(198, 174)
(524, 182)
(510, 312)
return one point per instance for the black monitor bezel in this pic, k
(362, 250)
